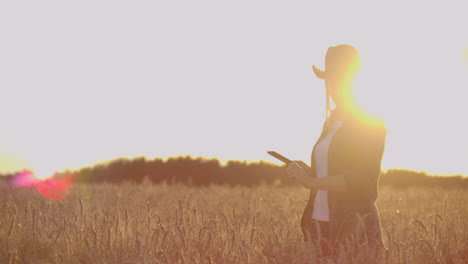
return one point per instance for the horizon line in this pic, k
(222, 163)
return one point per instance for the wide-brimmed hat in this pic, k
(338, 60)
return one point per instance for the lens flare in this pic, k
(24, 179)
(55, 187)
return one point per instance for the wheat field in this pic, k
(148, 223)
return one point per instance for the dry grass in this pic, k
(180, 224)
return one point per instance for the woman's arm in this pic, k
(334, 183)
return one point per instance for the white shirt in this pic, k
(321, 210)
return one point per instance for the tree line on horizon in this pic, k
(202, 171)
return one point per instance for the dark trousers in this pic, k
(317, 232)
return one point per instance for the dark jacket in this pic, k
(355, 152)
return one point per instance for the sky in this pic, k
(89, 81)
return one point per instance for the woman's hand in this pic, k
(297, 171)
(304, 166)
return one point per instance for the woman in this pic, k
(346, 162)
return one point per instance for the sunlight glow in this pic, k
(465, 55)
(88, 90)
(43, 173)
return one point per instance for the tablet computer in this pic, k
(279, 156)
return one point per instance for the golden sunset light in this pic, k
(245, 131)
(107, 88)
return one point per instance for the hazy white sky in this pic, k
(86, 81)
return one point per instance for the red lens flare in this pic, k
(54, 188)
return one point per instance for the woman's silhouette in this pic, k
(346, 162)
